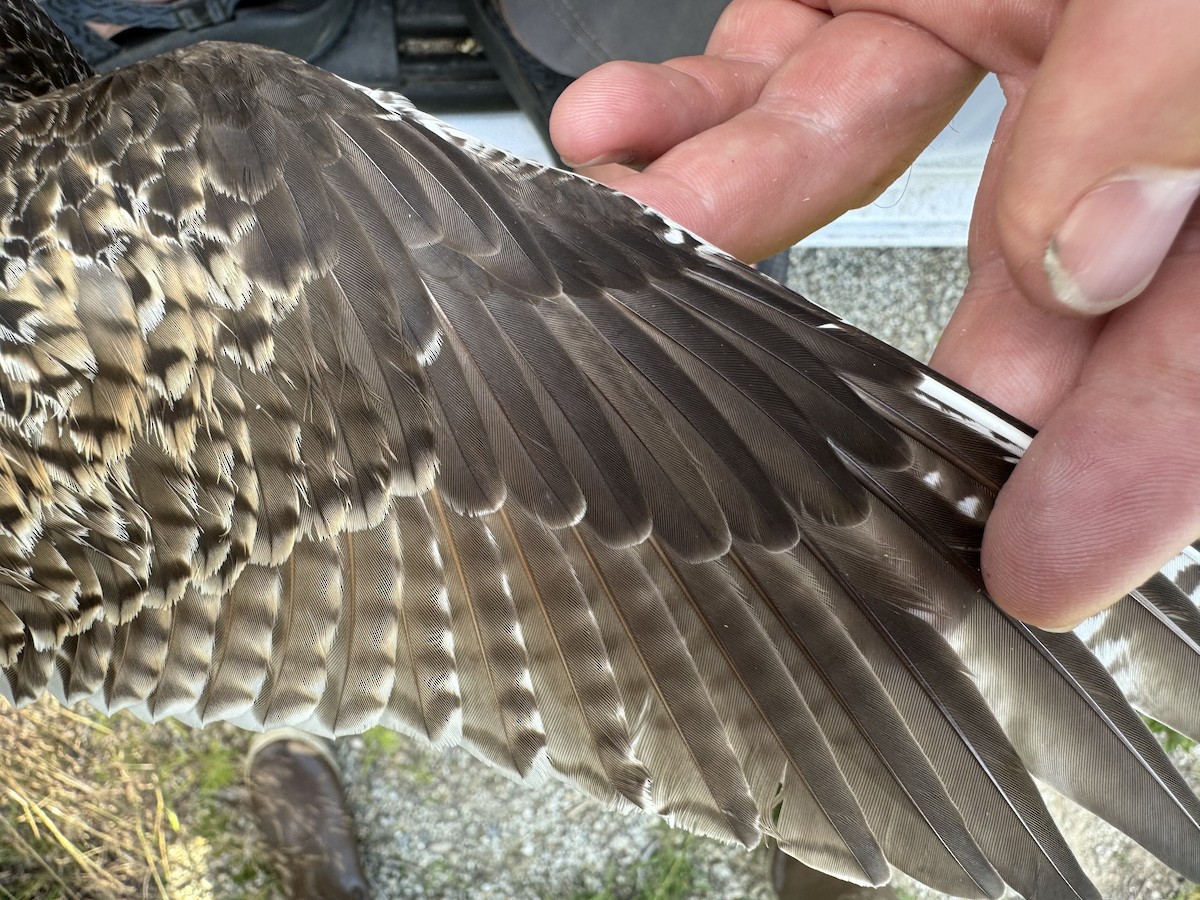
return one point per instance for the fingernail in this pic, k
(1117, 235)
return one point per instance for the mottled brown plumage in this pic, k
(314, 412)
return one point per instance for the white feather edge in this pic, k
(951, 400)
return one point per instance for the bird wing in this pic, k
(314, 411)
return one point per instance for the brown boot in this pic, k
(793, 880)
(297, 796)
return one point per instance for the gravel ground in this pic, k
(903, 296)
(446, 826)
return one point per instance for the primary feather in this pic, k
(315, 412)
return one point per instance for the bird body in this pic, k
(316, 412)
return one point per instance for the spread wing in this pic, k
(315, 412)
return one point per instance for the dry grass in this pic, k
(72, 833)
(107, 808)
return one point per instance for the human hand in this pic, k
(794, 115)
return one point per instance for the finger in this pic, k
(635, 112)
(836, 124)
(1110, 489)
(999, 344)
(1007, 38)
(1010, 352)
(1105, 158)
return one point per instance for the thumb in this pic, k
(1105, 155)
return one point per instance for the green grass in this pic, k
(1170, 739)
(380, 746)
(379, 743)
(668, 872)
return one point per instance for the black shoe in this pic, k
(301, 809)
